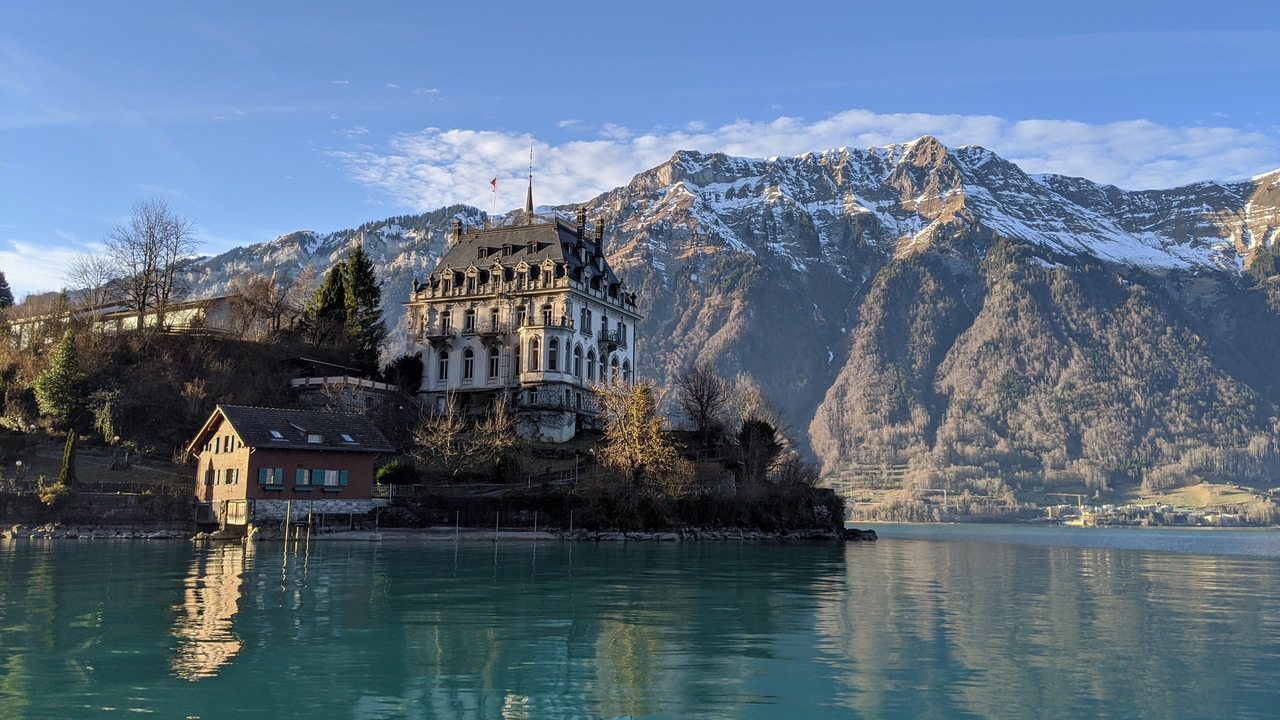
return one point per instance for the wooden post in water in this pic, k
(457, 524)
(496, 517)
(288, 518)
(535, 521)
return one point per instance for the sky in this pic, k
(257, 119)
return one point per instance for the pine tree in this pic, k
(327, 315)
(58, 388)
(6, 294)
(365, 328)
(68, 475)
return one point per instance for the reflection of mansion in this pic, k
(529, 314)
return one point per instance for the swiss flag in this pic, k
(494, 183)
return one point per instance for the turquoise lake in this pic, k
(929, 622)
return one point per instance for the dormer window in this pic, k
(314, 438)
(276, 435)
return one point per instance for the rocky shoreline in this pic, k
(55, 531)
(727, 535)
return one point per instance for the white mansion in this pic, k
(530, 314)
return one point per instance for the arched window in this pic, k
(591, 364)
(553, 354)
(546, 314)
(613, 371)
(535, 350)
(442, 367)
(577, 361)
(493, 362)
(626, 371)
(468, 364)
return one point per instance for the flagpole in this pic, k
(494, 213)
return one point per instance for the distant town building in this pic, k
(253, 462)
(213, 314)
(528, 314)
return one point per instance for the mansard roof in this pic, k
(553, 239)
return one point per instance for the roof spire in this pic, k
(528, 202)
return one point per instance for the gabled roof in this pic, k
(288, 429)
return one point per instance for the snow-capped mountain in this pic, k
(846, 281)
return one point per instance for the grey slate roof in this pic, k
(555, 239)
(254, 426)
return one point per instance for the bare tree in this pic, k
(147, 252)
(91, 279)
(701, 395)
(747, 402)
(495, 435)
(441, 437)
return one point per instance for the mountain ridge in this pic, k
(806, 273)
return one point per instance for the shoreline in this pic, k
(433, 534)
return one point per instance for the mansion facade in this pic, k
(530, 315)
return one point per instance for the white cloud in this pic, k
(34, 268)
(339, 82)
(392, 86)
(426, 91)
(435, 167)
(357, 131)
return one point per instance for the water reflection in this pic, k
(900, 628)
(959, 629)
(210, 600)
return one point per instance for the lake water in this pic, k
(929, 622)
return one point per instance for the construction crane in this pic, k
(1079, 498)
(1086, 517)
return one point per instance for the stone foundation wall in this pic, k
(275, 510)
(98, 509)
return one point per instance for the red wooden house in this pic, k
(253, 463)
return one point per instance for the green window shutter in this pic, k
(300, 477)
(262, 475)
(279, 473)
(342, 477)
(317, 477)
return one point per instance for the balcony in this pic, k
(439, 336)
(610, 341)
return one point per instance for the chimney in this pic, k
(600, 235)
(455, 232)
(582, 221)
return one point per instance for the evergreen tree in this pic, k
(6, 294)
(58, 388)
(327, 315)
(365, 328)
(68, 475)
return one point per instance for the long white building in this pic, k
(530, 314)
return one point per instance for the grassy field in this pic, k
(1202, 496)
(93, 471)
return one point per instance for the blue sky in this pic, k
(257, 119)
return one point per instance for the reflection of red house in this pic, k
(254, 462)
